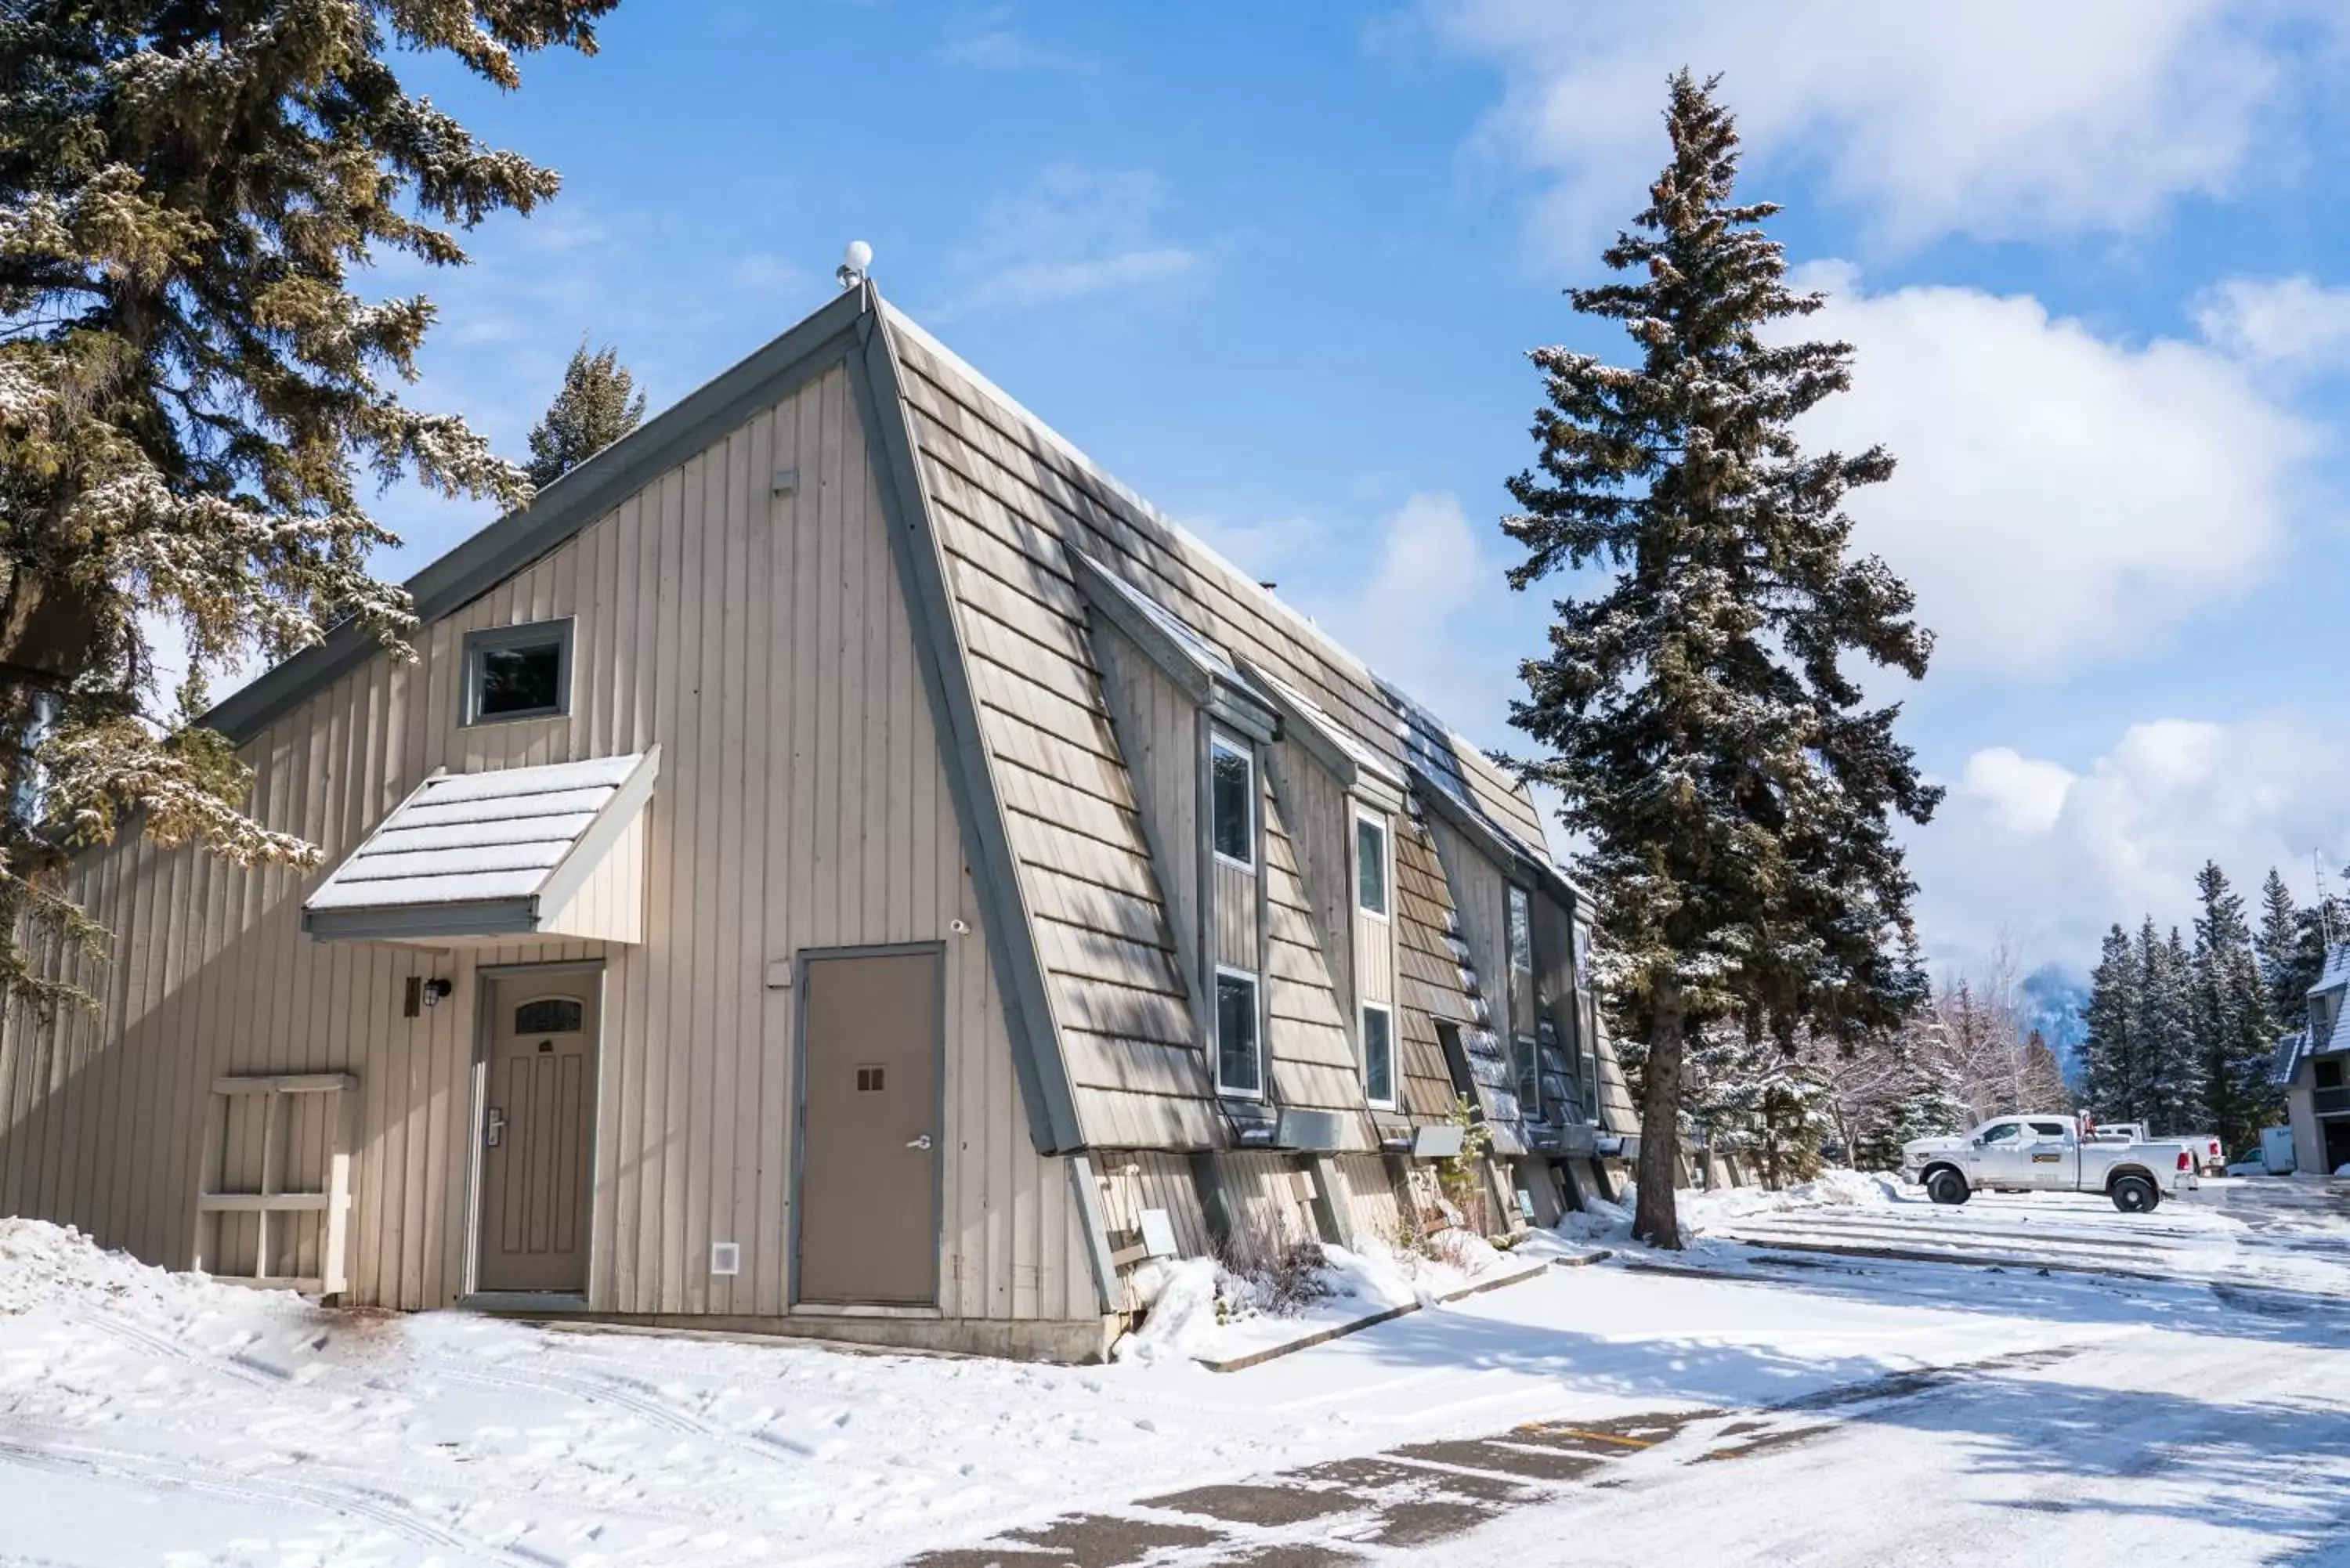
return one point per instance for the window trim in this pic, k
(1378, 824)
(529, 634)
(1256, 1022)
(1387, 1010)
(1218, 740)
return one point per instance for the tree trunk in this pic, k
(1655, 1221)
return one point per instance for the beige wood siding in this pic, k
(610, 905)
(1159, 742)
(762, 641)
(1270, 1202)
(1368, 1192)
(1311, 1043)
(1429, 979)
(1234, 920)
(1316, 810)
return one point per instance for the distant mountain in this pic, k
(2054, 1001)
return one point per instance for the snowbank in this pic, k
(1610, 1224)
(1198, 1310)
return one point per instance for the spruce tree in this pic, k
(1722, 763)
(2172, 1094)
(189, 387)
(599, 404)
(2236, 1035)
(2284, 970)
(2111, 1052)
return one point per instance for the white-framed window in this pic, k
(518, 672)
(1374, 871)
(1378, 1054)
(1524, 1048)
(1240, 1060)
(1232, 801)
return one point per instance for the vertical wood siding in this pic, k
(1235, 921)
(762, 641)
(1309, 1031)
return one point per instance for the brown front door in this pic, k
(537, 1131)
(868, 1228)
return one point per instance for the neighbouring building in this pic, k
(2313, 1067)
(839, 864)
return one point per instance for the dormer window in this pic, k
(518, 672)
(1232, 802)
(1371, 878)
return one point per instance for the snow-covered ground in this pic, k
(149, 1417)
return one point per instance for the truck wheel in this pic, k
(1947, 1186)
(2136, 1195)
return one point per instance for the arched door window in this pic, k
(550, 1015)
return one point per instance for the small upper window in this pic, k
(1521, 934)
(1232, 789)
(2049, 1129)
(518, 672)
(1370, 865)
(1378, 1054)
(550, 1015)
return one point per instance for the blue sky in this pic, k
(1278, 268)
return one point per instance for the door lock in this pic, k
(494, 1127)
(922, 1142)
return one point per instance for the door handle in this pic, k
(494, 1127)
(922, 1142)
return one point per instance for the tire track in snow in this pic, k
(364, 1503)
(163, 1347)
(648, 1404)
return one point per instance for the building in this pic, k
(839, 864)
(2311, 1068)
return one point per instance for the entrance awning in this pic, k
(551, 851)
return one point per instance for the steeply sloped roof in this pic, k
(2337, 973)
(1022, 521)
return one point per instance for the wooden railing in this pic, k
(331, 1201)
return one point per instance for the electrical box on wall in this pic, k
(725, 1257)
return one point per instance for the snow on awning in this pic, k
(556, 850)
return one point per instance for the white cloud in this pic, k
(2291, 322)
(1424, 613)
(1999, 118)
(1073, 234)
(2060, 496)
(1000, 48)
(2058, 854)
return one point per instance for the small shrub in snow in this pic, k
(1281, 1283)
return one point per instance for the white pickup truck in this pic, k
(2048, 1154)
(2209, 1157)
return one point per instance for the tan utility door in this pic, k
(537, 1130)
(868, 1228)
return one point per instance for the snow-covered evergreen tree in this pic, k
(190, 388)
(2173, 1093)
(2113, 1058)
(2235, 1033)
(1711, 746)
(2285, 970)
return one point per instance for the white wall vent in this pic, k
(725, 1257)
